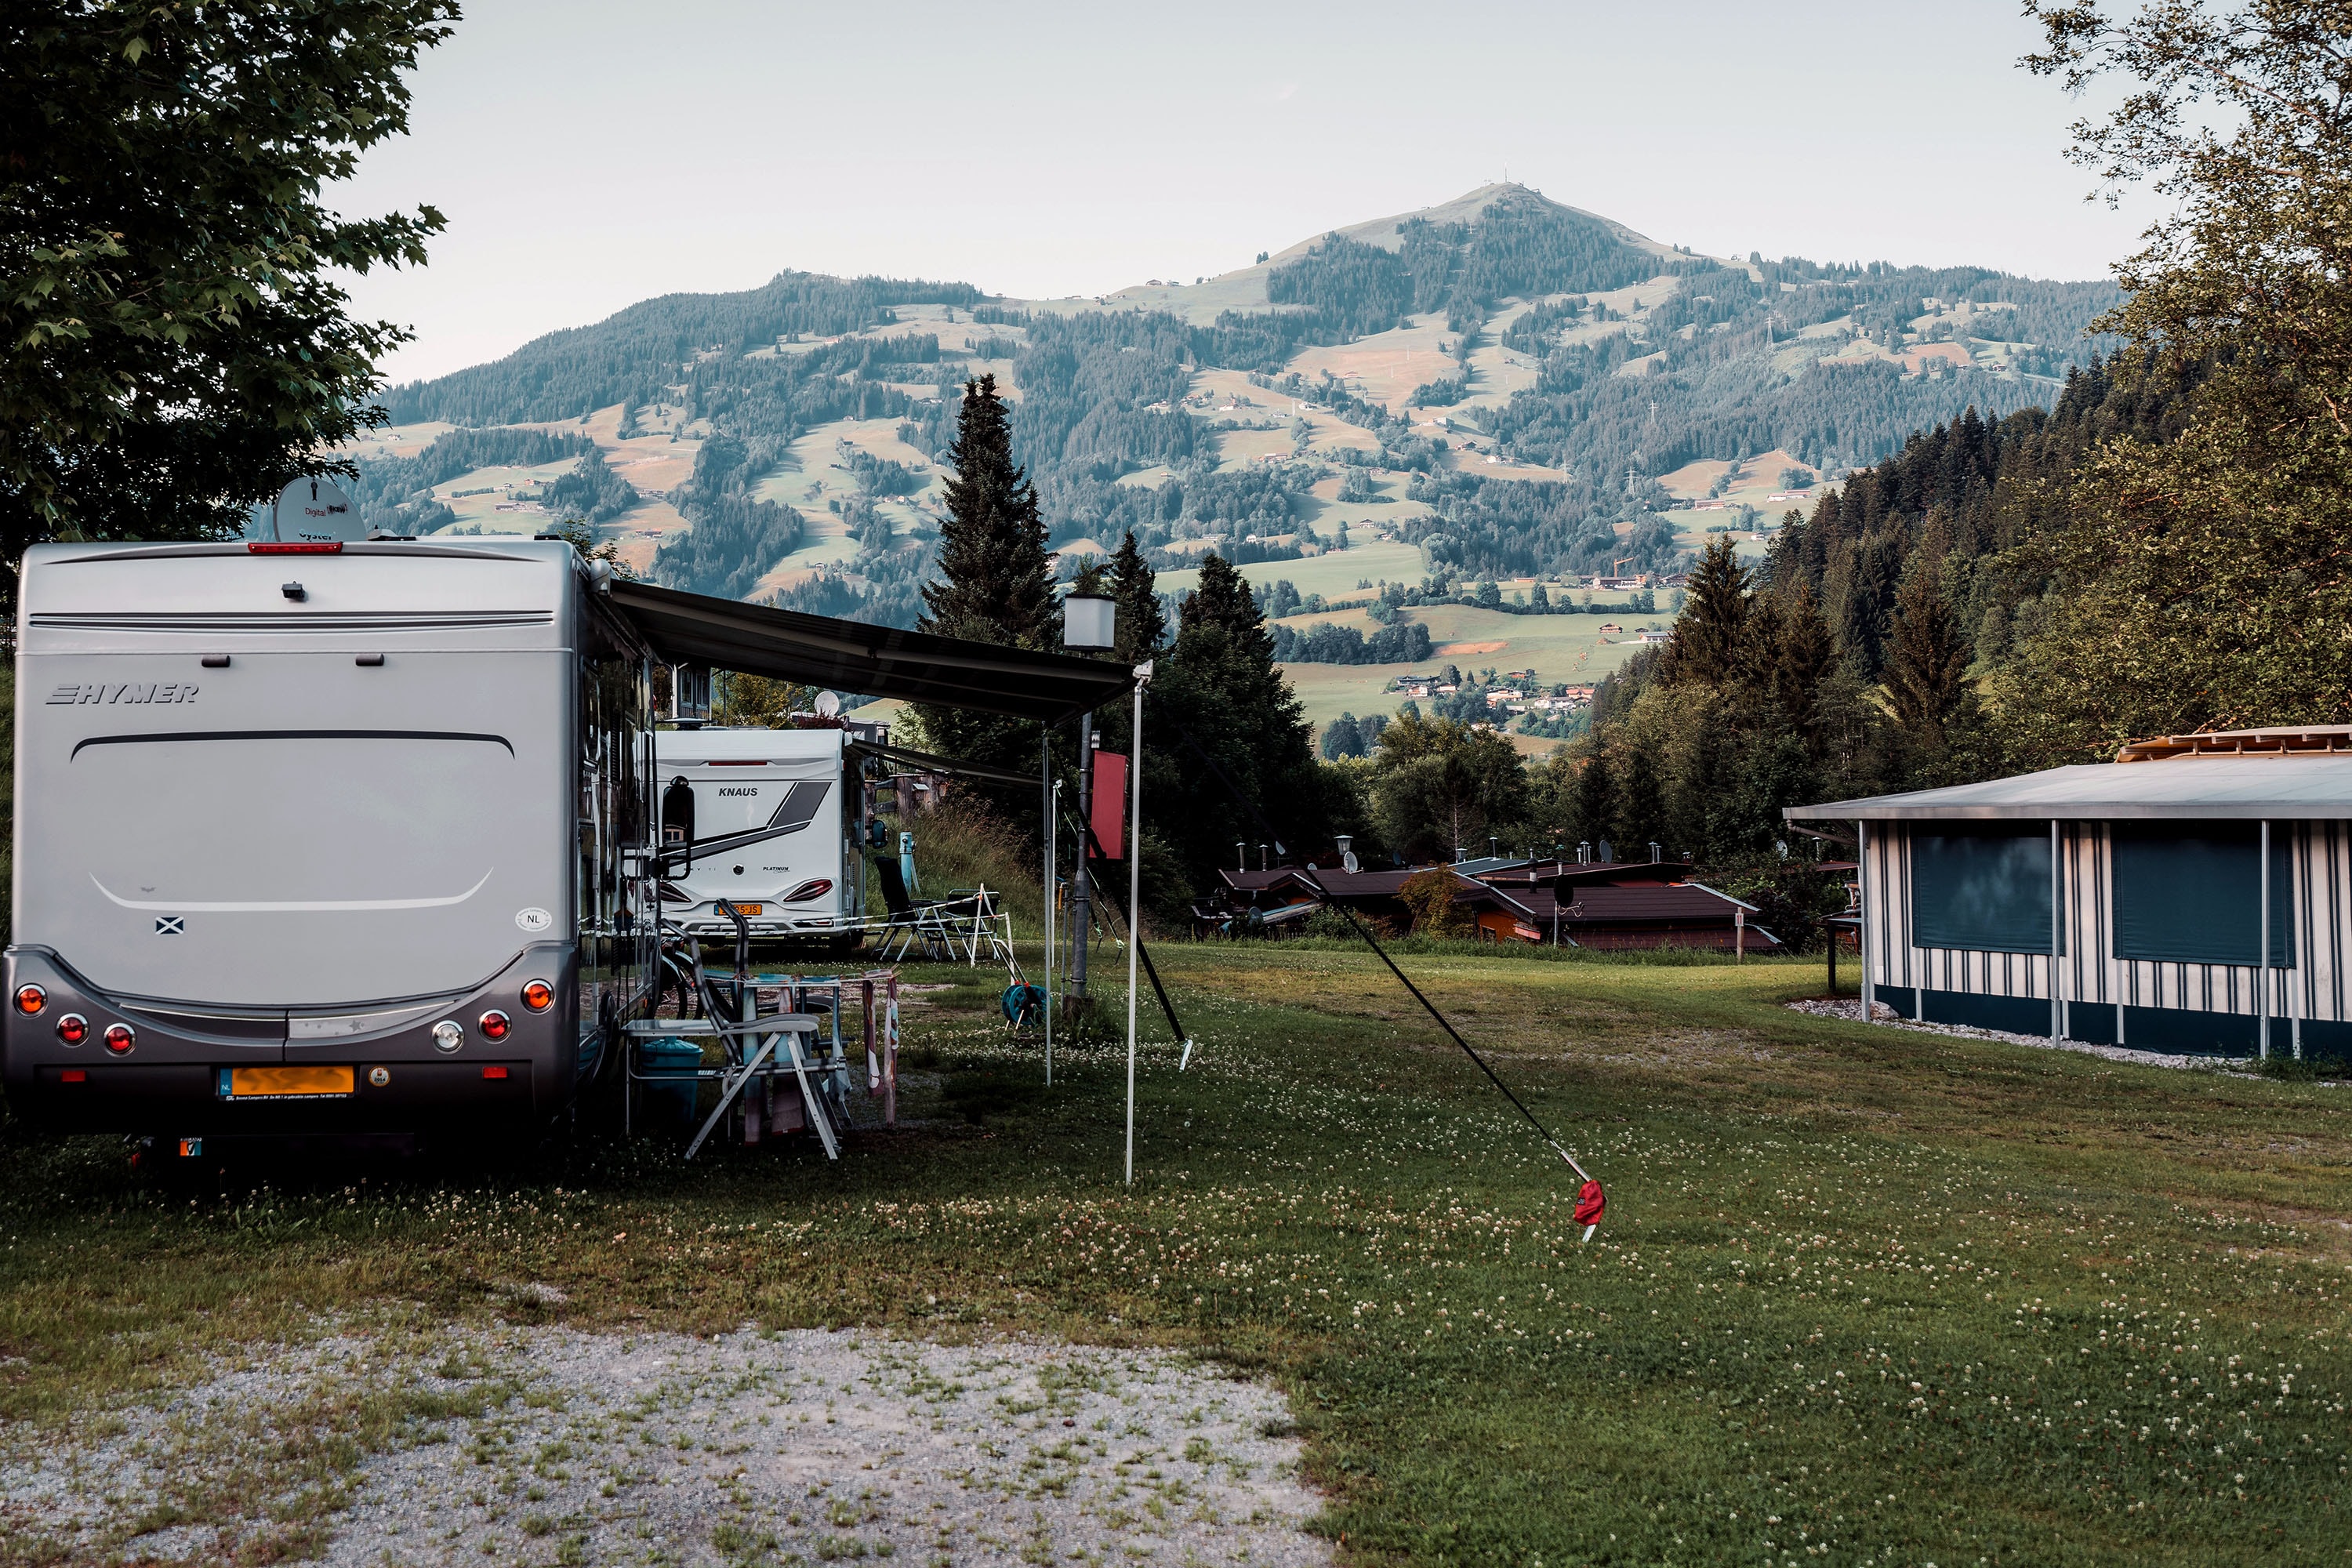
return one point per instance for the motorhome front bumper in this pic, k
(426, 1064)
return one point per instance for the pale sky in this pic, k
(589, 154)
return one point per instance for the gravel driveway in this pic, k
(547, 1446)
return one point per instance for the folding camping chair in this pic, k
(929, 922)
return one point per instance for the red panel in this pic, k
(1109, 804)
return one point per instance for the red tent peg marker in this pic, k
(1589, 1203)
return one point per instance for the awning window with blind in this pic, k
(2192, 893)
(1986, 889)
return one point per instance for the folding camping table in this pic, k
(764, 1045)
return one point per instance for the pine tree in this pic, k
(1142, 624)
(1926, 657)
(1640, 808)
(1803, 654)
(996, 580)
(1711, 633)
(1219, 684)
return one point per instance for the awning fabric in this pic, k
(879, 661)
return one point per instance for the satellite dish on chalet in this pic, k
(316, 511)
(829, 705)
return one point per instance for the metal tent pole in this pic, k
(1134, 896)
(1081, 913)
(2263, 957)
(2057, 1008)
(1046, 778)
(1862, 915)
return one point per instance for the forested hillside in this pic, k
(1627, 361)
(636, 356)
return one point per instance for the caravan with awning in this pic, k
(360, 835)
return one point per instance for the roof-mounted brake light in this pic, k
(297, 547)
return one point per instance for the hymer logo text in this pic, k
(105, 692)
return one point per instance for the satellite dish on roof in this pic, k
(1349, 863)
(315, 511)
(829, 705)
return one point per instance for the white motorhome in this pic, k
(325, 836)
(774, 812)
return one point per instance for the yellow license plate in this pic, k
(309, 1082)
(747, 909)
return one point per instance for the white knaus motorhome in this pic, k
(772, 813)
(322, 837)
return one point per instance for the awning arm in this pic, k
(924, 763)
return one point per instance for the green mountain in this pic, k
(1504, 382)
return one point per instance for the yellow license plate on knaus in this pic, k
(746, 910)
(286, 1083)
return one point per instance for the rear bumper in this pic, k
(172, 1079)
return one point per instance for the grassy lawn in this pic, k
(1862, 1296)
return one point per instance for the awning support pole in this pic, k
(1081, 914)
(1048, 789)
(2057, 1008)
(2263, 957)
(1134, 896)
(1861, 913)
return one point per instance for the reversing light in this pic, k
(495, 1026)
(539, 996)
(304, 547)
(447, 1036)
(73, 1028)
(120, 1038)
(31, 999)
(816, 888)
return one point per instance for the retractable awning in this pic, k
(877, 661)
(2290, 787)
(924, 763)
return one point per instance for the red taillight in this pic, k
(73, 1075)
(494, 1073)
(495, 1026)
(73, 1028)
(300, 547)
(120, 1038)
(31, 999)
(539, 996)
(816, 888)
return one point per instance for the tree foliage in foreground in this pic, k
(175, 345)
(2204, 583)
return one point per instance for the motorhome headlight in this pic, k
(815, 888)
(539, 996)
(120, 1038)
(31, 999)
(495, 1024)
(448, 1034)
(73, 1028)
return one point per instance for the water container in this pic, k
(666, 1086)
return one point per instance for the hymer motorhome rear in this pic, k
(772, 811)
(322, 837)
